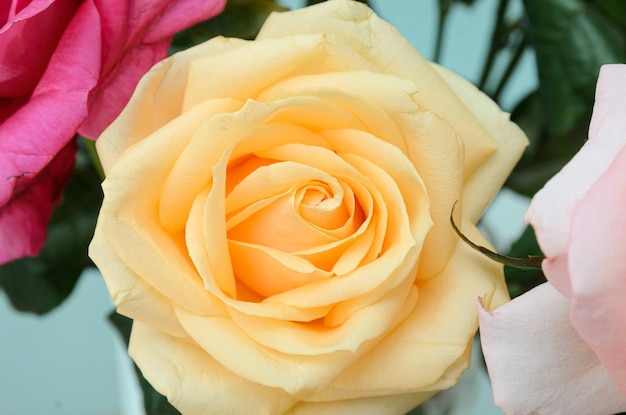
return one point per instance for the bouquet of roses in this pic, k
(291, 221)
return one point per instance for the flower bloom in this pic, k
(561, 348)
(276, 218)
(68, 66)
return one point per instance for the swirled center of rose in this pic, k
(318, 205)
(296, 229)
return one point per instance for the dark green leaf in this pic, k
(419, 410)
(123, 324)
(546, 153)
(39, 284)
(615, 10)
(572, 39)
(530, 116)
(535, 166)
(528, 180)
(154, 402)
(519, 281)
(240, 18)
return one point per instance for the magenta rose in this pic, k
(68, 66)
(561, 348)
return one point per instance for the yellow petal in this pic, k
(240, 354)
(387, 106)
(259, 64)
(369, 405)
(158, 100)
(487, 177)
(131, 295)
(377, 46)
(431, 348)
(270, 271)
(194, 382)
(366, 322)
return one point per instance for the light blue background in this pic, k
(71, 362)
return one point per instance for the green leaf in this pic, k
(615, 10)
(547, 153)
(530, 116)
(240, 18)
(39, 284)
(572, 39)
(154, 402)
(519, 281)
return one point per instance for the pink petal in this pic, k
(537, 362)
(24, 52)
(115, 92)
(551, 209)
(180, 15)
(598, 266)
(24, 219)
(101, 54)
(610, 103)
(135, 37)
(34, 134)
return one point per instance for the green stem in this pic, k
(90, 146)
(530, 262)
(441, 28)
(521, 47)
(495, 46)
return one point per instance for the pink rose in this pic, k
(561, 348)
(68, 66)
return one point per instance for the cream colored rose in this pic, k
(276, 219)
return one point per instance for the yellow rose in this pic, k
(276, 219)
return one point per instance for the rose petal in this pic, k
(597, 266)
(56, 108)
(24, 52)
(484, 180)
(417, 119)
(281, 220)
(178, 15)
(163, 83)
(240, 354)
(159, 257)
(387, 52)
(432, 347)
(366, 322)
(305, 57)
(24, 219)
(551, 209)
(132, 295)
(172, 365)
(388, 405)
(114, 90)
(537, 362)
(135, 35)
